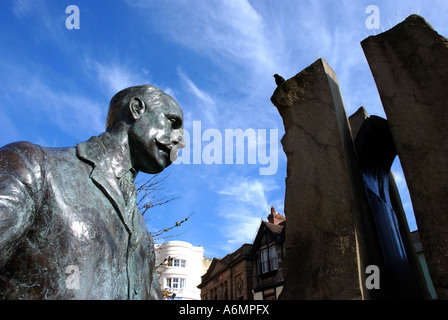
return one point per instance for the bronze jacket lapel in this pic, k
(94, 153)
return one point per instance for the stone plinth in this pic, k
(410, 67)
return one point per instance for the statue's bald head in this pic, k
(152, 121)
(119, 104)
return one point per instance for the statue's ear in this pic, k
(136, 107)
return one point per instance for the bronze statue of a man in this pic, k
(69, 224)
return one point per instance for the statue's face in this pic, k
(155, 137)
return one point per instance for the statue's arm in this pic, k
(19, 193)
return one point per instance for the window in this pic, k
(175, 284)
(177, 263)
(264, 259)
(273, 257)
(268, 259)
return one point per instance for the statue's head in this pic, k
(154, 121)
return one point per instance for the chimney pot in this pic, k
(275, 217)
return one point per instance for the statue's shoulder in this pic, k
(23, 160)
(24, 153)
(24, 148)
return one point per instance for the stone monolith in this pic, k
(321, 259)
(410, 65)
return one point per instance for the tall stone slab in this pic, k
(321, 259)
(410, 65)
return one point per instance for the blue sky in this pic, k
(215, 57)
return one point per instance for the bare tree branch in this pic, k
(177, 224)
(149, 193)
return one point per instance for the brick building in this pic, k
(253, 271)
(229, 278)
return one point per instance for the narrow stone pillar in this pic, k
(356, 120)
(410, 65)
(320, 203)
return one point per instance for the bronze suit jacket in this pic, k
(65, 230)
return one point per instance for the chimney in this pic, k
(275, 217)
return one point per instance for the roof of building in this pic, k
(274, 228)
(276, 232)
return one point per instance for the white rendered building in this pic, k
(181, 274)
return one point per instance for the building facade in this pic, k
(180, 266)
(254, 271)
(229, 278)
(267, 254)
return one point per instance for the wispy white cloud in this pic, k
(115, 76)
(22, 7)
(75, 114)
(47, 23)
(245, 202)
(229, 29)
(231, 34)
(33, 88)
(206, 108)
(251, 40)
(249, 192)
(241, 230)
(8, 131)
(201, 95)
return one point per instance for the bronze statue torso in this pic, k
(62, 207)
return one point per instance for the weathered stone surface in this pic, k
(321, 257)
(410, 66)
(356, 120)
